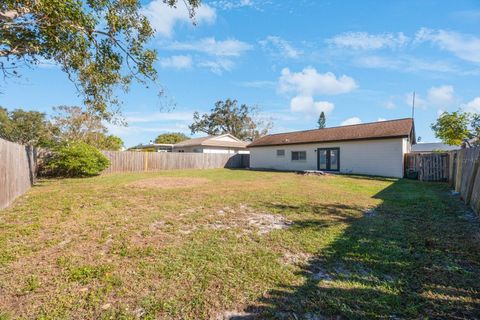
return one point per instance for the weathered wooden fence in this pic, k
(465, 175)
(126, 161)
(460, 168)
(428, 166)
(17, 171)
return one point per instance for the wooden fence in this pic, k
(17, 171)
(460, 168)
(127, 161)
(465, 175)
(428, 166)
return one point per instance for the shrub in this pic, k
(75, 159)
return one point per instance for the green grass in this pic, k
(103, 248)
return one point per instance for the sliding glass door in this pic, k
(328, 159)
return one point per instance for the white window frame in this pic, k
(281, 155)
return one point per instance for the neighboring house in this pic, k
(225, 143)
(433, 147)
(153, 147)
(376, 148)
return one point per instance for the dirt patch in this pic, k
(313, 173)
(249, 220)
(168, 182)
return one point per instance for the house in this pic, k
(225, 143)
(433, 147)
(153, 147)
(376, 148)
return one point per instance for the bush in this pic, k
(75, 159)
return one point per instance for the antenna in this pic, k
(413, 105)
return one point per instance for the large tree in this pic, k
(171, 138)
(72, 123)
(25, 127)
(100, 45)
(228, 117)
(453, 128)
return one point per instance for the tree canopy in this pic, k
(321, 120)
(228, 117)
(171, 138)
(25, 127)
(72, 123)
(453, 128)
(100, 45)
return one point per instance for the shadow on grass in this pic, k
(414, 256)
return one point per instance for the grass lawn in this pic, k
(219, 244)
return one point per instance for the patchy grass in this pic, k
(239, 244)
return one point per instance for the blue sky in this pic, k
(359, 61)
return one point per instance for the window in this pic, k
(299, 155)
(280, 153)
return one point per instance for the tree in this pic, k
(100, 45)
(321, 120)
(228, 117)
(25, 127)
(171, 138)
(453, 128)
(72, 123)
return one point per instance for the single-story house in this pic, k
(433, 147)
(153, 147)
(376, 148)
(225, 143)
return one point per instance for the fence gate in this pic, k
(427, 166)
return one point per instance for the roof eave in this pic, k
(328, 141)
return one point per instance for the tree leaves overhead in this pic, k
(100, 44)
(228, 117)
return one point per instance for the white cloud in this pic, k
(390, 105)
(350, 121)
(233, 4)
(419, 101)
(257, 84)
(306, 104)
(309, 82)
(473, 106)
(159, 116)
(440, 96)
(464, 46)
(210, 46)
(366, 41)
(381, 119)
(133, 131)
(405, 64)
(163, 18)
(279, 46)
(177, 62)
(217, 66)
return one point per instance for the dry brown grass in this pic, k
(217, 240)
